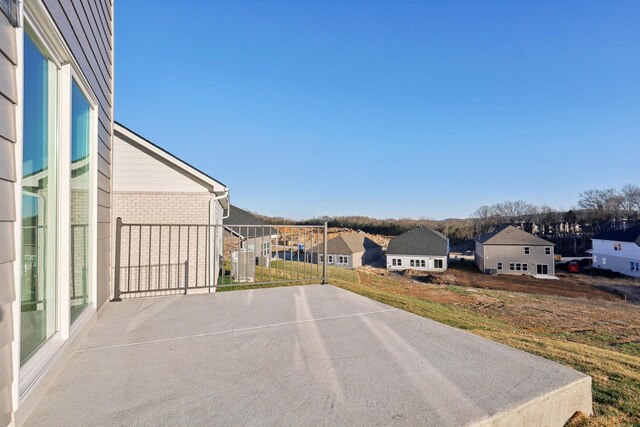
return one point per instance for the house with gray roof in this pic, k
(618, 251)
(252, 233)
(347, 250)
(509, 250)
(420, 248)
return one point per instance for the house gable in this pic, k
(137, 171)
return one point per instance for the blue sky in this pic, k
(388, 109)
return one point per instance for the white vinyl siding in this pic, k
(135, 170)
(616, 256)
(416, 262)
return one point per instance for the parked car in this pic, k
(573, 267)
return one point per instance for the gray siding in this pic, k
(493, 254)
(87, 28)
(8, 99)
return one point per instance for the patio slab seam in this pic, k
(230, 331)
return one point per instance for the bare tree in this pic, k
(630, 198)
(484, 218)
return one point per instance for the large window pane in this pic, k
(38, 284)
(80, 201)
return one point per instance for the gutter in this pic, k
(224, 196)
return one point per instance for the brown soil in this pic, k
(586, 314)
(575, 286)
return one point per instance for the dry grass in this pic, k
(615, 368)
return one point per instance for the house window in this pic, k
(547, 250)
(526, 250)
(525, 267)
(343, 259)
(412, 263)
(330, 259)
(518, 266)
(39, 288)
(512, 266)
(393, 262)
(422, 263)
(321, 258)
(80, 202)
(635, 266)
(437, 263)
(617, 246)
(499, 266)
(400, 262)
(266, 249)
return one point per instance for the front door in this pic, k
(543, 269)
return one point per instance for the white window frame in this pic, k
(499, 266)
(438, 261)
(547, 250)
(399, 262)
(412, 263)
(527, 250)
(42, 29)
(394, 262)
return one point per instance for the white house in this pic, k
(420, 248)
(618, 251)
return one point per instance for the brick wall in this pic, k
(166, 266)
(162, 208)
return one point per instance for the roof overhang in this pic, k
(214, 186)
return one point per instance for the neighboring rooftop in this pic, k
(631, 234)
(241, 217)
(349, 244)
(510, 235)
(420, 240)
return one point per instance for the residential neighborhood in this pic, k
(403, 246)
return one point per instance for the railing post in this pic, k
(186, 276)
(324, 257)
(116, 276)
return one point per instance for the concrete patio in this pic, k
(305, 355)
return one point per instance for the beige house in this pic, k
(347, 250)
(509, 250)
(152, 186)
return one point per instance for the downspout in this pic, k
(212, 239)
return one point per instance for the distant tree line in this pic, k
(597, 211)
